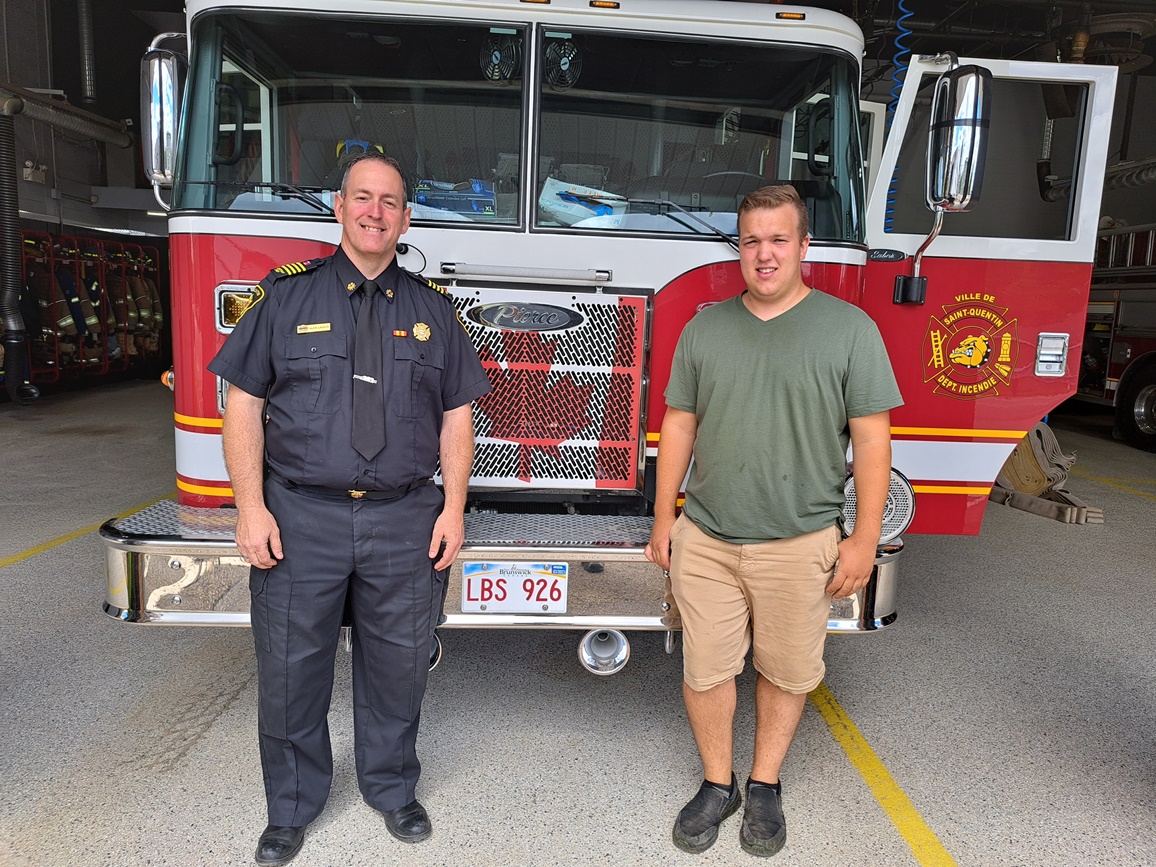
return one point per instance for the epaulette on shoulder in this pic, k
(428, 284)
(295, 268)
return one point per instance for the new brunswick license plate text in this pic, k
(516, 587)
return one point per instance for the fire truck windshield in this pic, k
(629, 132)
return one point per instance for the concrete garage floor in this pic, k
(1011, 704)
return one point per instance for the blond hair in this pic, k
(775, 197)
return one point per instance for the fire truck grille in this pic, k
(565, 409)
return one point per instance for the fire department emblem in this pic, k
(421, 331)
(970, 351)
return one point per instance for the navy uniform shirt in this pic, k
(295, 345)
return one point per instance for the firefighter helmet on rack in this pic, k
(349, 148)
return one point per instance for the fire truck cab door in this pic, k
(995, 345)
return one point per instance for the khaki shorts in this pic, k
(774, 591)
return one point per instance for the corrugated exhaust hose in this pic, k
(11, 273)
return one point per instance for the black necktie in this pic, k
(368, 394)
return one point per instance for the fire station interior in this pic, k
(1003, 718)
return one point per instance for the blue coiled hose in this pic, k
(898, 73)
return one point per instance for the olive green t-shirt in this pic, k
(772, 401)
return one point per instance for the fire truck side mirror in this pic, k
(957, 139)
(163, 75)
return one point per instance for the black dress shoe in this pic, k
(279, 844)
(410, 823)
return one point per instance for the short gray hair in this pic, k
(374, 156)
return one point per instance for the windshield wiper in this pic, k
(287, 191)
(713, 229)
(730, 239)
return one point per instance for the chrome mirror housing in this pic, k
(957, 141)
(163, 74)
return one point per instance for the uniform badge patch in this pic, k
(258, 294)
(311, 329)
(421, 331)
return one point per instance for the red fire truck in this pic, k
(574, 170)
(1118, 364)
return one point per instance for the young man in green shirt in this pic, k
(766, 391)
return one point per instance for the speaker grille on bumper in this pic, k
(897, 513)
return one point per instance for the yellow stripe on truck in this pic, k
(194, 421)
(960, 432)
(204, 490)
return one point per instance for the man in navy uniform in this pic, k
(349, 380)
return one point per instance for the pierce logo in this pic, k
(525, 317)
(971, 350)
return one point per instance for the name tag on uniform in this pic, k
(310, 329)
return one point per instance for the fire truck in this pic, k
(574, 173)
(1118, 363)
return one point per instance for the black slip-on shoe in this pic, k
(279, 844)
(764, 828)
(410, 823)
(696, 827)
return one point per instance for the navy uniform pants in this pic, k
(376, 552)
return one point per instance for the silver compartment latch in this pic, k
(1052, 354)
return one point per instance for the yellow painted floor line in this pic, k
(1112, 484)
(925, 846)
(68, 537)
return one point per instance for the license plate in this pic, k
(515, 587)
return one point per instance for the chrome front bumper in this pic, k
(175, 564)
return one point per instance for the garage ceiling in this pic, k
(1118, 32)
(1104, 31)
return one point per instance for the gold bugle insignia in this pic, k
(350, 287)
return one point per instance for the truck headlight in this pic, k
(231, 302)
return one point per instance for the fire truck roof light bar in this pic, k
(465, 269)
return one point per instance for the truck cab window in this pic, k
(639, 130)
(295, 97)
(1034, 132)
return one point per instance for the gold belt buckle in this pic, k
(357, 495)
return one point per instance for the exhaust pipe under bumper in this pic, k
(604, 651)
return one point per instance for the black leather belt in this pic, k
(338, 494)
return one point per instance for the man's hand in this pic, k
(658, 548)
(675, 448)
(456, 452)
(856, 559)
(259, 537)
(871, 447)
(450, 529)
